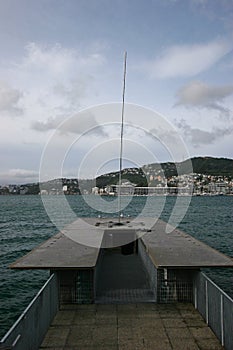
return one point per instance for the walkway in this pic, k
(129, 327)
(122, 279)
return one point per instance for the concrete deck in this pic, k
(78, 245)
(177, 249)
(58, 252)
(130, 326)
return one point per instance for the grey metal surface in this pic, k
(214, 309)
(29, 330)
(228, 322)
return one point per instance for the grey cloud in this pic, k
(165, 136)
(19, 176)
(200, 95)
(49, 124)
(200, 137)
(77, 124)
(9, 99)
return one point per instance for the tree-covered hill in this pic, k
(213, 166)
(150, 174)
(200, 165)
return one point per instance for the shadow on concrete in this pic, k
(122, 278)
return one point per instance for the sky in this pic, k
(60, 61)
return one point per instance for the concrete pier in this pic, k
(130, 327)
(129, 285)
(79, 244)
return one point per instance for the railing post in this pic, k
(222, 320)
(207, 302)
(195, 294)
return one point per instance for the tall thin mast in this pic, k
(122, 134)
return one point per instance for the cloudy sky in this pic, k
(59, 57)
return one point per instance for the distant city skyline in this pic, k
(61, 57)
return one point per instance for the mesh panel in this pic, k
(67, 287)
(84, 287)
(175, 286)
(76, 287)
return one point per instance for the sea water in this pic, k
(24, 224)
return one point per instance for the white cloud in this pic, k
(9, 99)
(201, 95)
(22, 173)
(73, 91)
(187, 60)
(59, 61)
(54, 78)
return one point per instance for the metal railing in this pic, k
(29, 330)
(216, 307)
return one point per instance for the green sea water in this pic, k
(24, 224)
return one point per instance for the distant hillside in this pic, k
(150, 174)
(133, 175)
(201, 165)
(213, 166)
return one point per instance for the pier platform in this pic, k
(128, 285)
(130, 327)
(79, 244)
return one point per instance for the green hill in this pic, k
(213, 166)
(139, 176)
(201, 165)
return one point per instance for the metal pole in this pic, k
(122, 134)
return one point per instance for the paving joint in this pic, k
(136, 326)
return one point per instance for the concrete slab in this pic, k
(209, 344)
(184, 344)
(56, 336)
(56, 253)
(201, 332)
(180, 250)
(78, 245)
(64, 318)
(154, 332)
